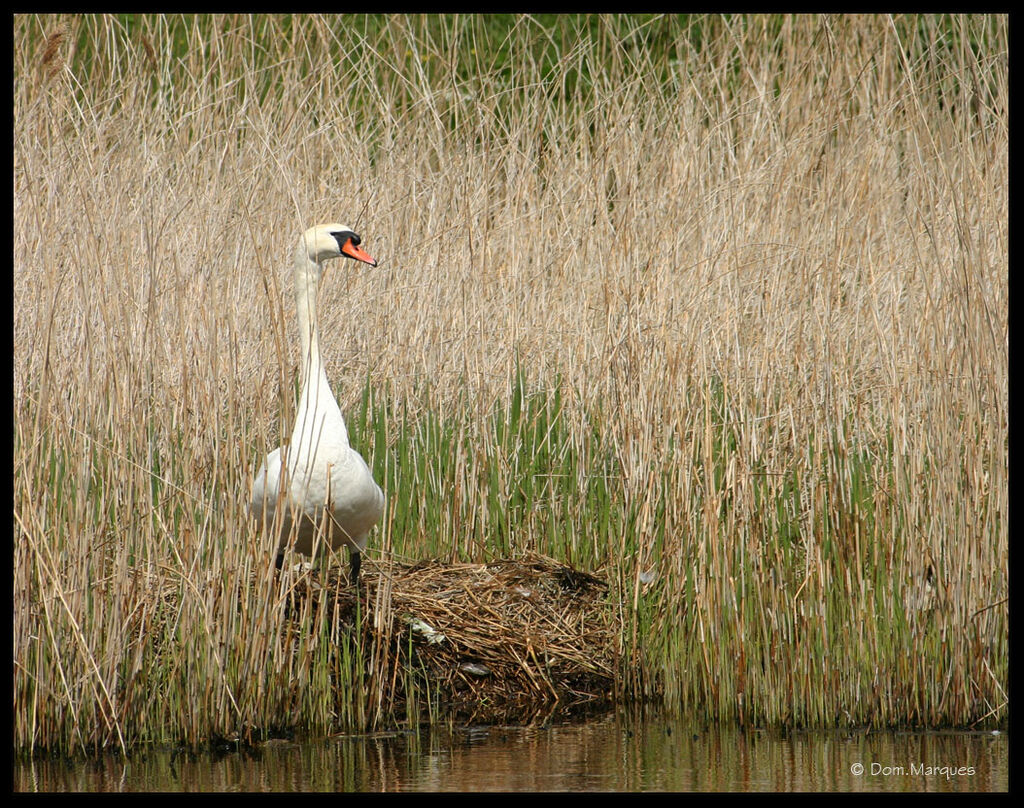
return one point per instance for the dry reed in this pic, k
(717, 304)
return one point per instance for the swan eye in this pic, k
(346, 235)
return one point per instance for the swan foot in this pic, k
(355, 561)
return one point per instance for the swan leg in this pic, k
(354, 560)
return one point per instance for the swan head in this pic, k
(326, 241)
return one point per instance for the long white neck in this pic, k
(316, 402)
(307, 275)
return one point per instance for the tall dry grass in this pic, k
(718, 305)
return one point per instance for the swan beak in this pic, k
(357, 252)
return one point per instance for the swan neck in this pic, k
(307, 274)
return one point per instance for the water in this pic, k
(609, 753)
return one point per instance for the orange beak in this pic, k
(357, 252)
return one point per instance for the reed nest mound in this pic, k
(495, 639)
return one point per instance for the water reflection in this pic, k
(610, 753)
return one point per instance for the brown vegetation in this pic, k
(717, 306)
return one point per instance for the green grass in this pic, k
(528, 483)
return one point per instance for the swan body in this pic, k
(323, 486)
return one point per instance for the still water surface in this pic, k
(609, 753)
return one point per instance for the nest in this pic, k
(492, 640)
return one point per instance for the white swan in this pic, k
(327, 482)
